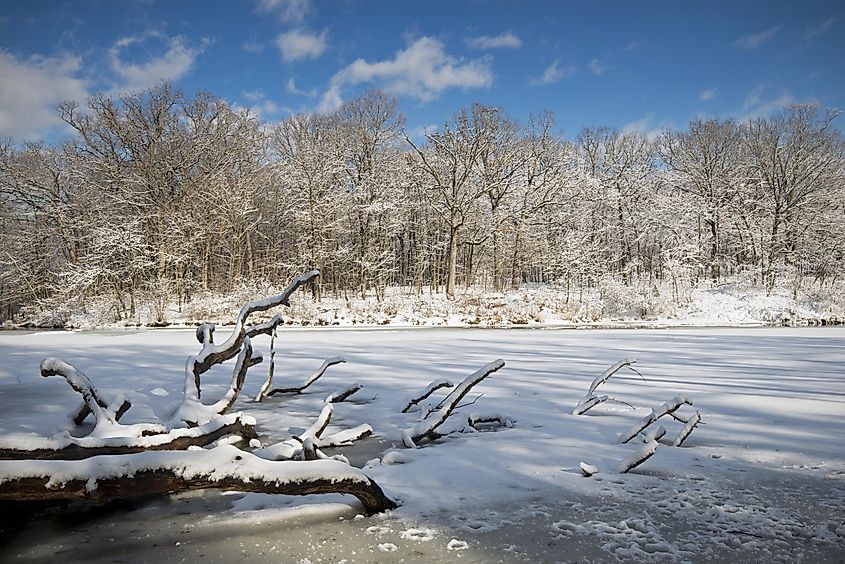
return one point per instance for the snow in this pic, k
(761, 478)
(215, 463)
(727, 304)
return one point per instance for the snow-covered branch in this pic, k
(224, 468)
(427, 429)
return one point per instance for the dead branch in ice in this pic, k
(165, 472)
(307, 445)
(118, 407)
(641, 455)
(482, 420)
(341, 395)
(427, 429)
(192, 410)
(590, 399)
(310, 380)
(91, 400)
(121, 461)
(415, 399)
(654, 434)
(667, 408)
(687, 429)
(262, 393)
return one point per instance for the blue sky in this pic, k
(629, 65)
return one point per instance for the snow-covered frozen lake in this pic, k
(763, 479)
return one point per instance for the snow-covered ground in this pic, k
(763, 479)
(609, 305)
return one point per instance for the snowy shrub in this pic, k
(640, 299)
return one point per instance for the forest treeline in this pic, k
(157, 196)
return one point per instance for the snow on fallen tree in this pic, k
(92, 402)
(423, 394)
(343, 394)
(126, 440)
(641, 455)
(687, 429)
(164, 472)
(309, 442)
(590, 399)
(192, 410)
(116, 461)
(428, 428)
(310, 380)
(665, 409)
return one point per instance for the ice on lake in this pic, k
(762, 479)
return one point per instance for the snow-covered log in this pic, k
(665, 409)
(93, 403)
(341, 395)
(118, 407)
(687, 429)
(262, 393)
(654, 434)
(590, 399)
(316, 429)
(212, 354)
(605, 376)
(588, 403)
(306, 445)
(346, 437)
(158, 473)
(414, 400)
(476, 420)
(310, 380)
(641, 455)
(427, 429)
(125, 439)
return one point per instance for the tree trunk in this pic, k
(452, 265)
(224, 468)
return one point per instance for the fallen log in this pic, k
(143, 474)
(66, 447)
(666, 409)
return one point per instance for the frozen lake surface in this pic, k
(763, 479)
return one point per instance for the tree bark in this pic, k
(148, 474)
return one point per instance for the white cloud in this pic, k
(252, 46)
(645, 126)
(296, 45)
(289, 11)
(419, 132)
(708, 94)
(505, 40)
(754, 96)
(331, 100)
(757, 104)
(260, 105)
(32, 89)
(554, 73)
(638, 126)
(820, 29)
(596, 67)
(754, 40)
(172, 65)
(293, 89)
(631, 46)
(422, 71)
